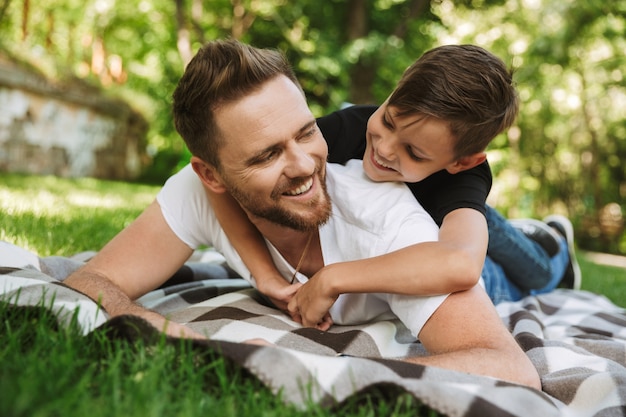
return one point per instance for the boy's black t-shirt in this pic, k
(439, 194)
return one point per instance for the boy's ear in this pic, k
(208, 175)
(466, 162)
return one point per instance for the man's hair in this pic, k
(222, 72)
(465, 86)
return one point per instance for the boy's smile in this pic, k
(406, 148)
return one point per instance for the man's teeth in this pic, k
(301, 189)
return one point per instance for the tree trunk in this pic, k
(25, 16)
(183, 43)
(362, 73)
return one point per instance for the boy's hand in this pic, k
(310, 305)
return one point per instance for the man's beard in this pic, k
(321, 208)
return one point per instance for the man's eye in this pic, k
(309, 132)
(269, 156)
(265, 157)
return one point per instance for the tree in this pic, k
(564, 154)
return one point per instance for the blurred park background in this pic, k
(123, 58)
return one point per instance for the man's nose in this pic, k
(299, 162)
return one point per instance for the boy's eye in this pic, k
(386, 122)
(413, 156)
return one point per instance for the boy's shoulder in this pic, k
(480, 173)
(443, 192)
(344, 131)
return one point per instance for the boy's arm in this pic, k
(250, 245)
(454, 263)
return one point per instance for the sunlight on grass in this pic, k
(604, 279)
(43, 202)
(56, 216)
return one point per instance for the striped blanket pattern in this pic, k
(576, 340)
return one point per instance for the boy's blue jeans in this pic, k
(517, 266)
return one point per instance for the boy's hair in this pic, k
(465, 86)
(222, 72)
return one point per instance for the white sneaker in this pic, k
(540, 233)
(572, 277)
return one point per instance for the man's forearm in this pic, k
(116, 303)
(103, 291)
(506, 364)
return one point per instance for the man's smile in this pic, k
(303, 188)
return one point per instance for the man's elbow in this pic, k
(526, 374)
(466, 270)
(531, 378)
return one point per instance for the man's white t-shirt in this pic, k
(368, 219)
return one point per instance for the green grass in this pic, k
(50, 371)
(602, 279)
(53, 216)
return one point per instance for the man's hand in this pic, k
(310, 305)
(279, 291)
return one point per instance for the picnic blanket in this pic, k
(576, 340)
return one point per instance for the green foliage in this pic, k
(565, 153)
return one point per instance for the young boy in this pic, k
(430, 133)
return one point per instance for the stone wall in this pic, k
(66, 130)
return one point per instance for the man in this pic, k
(247, 124)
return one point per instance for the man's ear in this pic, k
(466, 162)
(208, 175)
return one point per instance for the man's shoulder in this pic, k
(344, 131)
(363, 202)
(183, 201)
(371, 218)
(184, 175)
(184, 185)
(351, 180)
